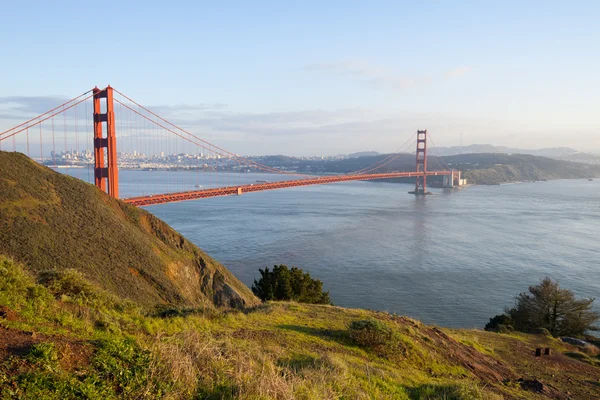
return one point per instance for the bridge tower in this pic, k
(106, 174)
(421, 184)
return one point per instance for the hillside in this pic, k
(77, 323)
(52, 222)
(550, 152)
(490, 169)
(478, 168)
(68, 339)
(558, 153)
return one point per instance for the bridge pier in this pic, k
(454, 180)
(448, 182)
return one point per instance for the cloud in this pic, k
(381, 78)
(165, 109)
(377, 77)
(457, 72)
(282, 124)
(306, 132)
(20, 106)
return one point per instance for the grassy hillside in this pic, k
(81, 274)
(52, 222)
(68, 339)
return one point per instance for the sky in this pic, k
(319, 77)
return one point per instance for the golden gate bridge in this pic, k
(99, 121)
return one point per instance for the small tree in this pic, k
(287, 284)
(500, 323)
(548, 306)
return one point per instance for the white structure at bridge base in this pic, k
(454, 180)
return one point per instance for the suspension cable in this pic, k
(47, 112)
(44, 119)
(224, 152)
(260, 166)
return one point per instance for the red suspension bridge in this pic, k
(85, 132)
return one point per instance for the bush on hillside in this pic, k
(500, 323)
(287, 284)
(370, 333)
(547, 306)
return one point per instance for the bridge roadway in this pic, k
(258, 187)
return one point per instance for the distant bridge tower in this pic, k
(421, 184)
(105, 172)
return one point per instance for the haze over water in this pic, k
(453, 259)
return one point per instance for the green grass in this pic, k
(53, 222)
(43, 354)
(279, 350)
(276, 350)
(137, 320)
(592, 360)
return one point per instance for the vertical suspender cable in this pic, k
(41, 146)
(27, 133)
(87, 141)
(53, 145)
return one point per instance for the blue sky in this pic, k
(322, 77)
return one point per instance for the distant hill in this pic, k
(490, 169)
(558, 153)
(52, 221)
(478, 168)
(553, 152)
(363, 154)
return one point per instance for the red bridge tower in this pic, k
(421, 185)
(109, 172)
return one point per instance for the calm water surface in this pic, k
(452, 259)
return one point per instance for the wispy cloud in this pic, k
(381, 78)
(187, 108)
(376, 76)
(309, 131)
(457, 72)
(292, 123)
(20, 106)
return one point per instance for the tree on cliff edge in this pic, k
(287, 284)
(548, 306)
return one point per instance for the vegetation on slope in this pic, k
(50, 221)
(68, 339)
(546, 306)
(287, 284)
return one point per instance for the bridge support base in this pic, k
(452, 181)
(419, 193)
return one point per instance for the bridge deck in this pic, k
(258, 187)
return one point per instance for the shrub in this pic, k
(43, 354)
(541, 331)
(500, 323)
(370, 333)
(69, 283)
(287, 284)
